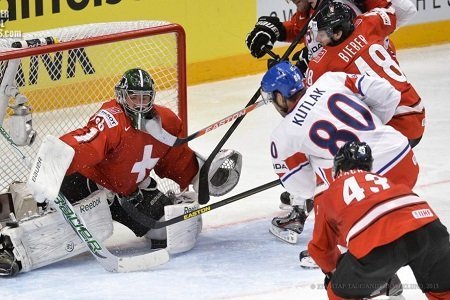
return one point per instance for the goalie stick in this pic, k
(109, 261)
(203, 193)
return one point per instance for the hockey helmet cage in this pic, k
(136, 92)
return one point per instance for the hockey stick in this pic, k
(226, 120)
(150, 223)
(109, 261)
(215, 205)
(203, 193)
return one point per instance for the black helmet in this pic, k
(136, 93)
(335, 17)
(353, 155)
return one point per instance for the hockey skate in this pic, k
(306, 260)
(289, 227)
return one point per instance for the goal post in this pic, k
(66, 73)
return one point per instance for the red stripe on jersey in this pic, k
(295, 160)
(352, 84)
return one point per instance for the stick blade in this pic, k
(143, 262)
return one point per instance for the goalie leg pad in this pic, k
(182, 236)
(46, 239)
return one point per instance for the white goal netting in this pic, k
(66, 81)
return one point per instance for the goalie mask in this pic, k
(136, 93)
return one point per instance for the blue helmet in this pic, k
(284, 78)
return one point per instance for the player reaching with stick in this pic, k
(338, 108)
(270, 29)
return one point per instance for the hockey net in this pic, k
(70, 71)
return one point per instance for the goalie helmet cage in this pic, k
(75, 69)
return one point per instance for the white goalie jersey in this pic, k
(339, 107)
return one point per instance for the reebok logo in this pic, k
(89, 206)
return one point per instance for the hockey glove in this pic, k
(147, 202)
(301, 59)
(327, 279)
(267, 30)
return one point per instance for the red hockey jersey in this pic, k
(366, 51)
(361, 211)
(112, 153)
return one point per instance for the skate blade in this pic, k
(308, 263)
(285, 207)
(285, 235)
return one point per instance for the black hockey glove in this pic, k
(301, 59)
(267, 30)
(327, 279)
(149, 201)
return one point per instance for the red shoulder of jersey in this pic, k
(295, 25)
(102, 133)
(371, 4)
(379, 22)
(170, 121)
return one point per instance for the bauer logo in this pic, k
(36, 169)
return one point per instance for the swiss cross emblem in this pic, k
(147, 163)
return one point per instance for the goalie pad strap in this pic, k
(181, 236)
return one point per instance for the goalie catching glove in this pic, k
(224, 173)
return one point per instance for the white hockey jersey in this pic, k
(339, 107)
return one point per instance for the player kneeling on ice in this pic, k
(338, 107)
(105, 169)
(379, 226)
